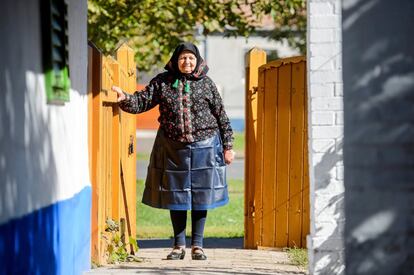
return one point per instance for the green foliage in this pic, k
(153, 27)
(222, 222)
(134, 243)
(298, 256)
(116, 249)
(290, 20)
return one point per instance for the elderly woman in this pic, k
(187, 169)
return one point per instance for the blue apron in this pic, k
(186, 176)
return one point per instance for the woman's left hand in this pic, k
(229, 156)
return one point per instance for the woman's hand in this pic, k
(229, 156)
(121, 96)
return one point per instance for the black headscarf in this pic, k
(201, 68)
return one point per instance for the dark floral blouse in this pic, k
(190, 110)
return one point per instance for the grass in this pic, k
(143, 156)
(238, 145)
(222, 222)
(298, 256)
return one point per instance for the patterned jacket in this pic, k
(190, 109)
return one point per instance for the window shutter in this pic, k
(55, 50)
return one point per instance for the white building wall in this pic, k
(45, 190)
(324, 58)
(44, 150)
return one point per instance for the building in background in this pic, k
(45, 191)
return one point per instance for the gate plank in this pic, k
(296, 154)
(306, 198)
(269, 153)
(258, 226)
(282, 156)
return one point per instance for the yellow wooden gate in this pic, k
(276, 179)
(112, 146)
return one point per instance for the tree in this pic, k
(154, 27)
(289, 17)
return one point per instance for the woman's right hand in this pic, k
(120, 94)
(229, 156)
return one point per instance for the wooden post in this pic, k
(254, 59)
(94, 102)
(125, 57)
(116, 150)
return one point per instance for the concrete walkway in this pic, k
(224, 258)
(220, 261)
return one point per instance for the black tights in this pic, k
(179, 222)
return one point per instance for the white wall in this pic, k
(44, 153)
(324, 58)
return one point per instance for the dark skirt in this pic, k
(186, 176)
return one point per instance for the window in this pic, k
(55, 50)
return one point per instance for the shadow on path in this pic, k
(208, 243)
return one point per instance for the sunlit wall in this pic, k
(45, 192)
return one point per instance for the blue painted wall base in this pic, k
(52, 240)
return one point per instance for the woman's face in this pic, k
(187, 62)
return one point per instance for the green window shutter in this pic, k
(55, 50)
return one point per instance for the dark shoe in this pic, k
(178, 253)
(197, 253)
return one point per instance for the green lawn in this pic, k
(143, 156)
(239, 143)
(222, 222)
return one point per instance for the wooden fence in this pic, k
(112, 146)
(276, 167)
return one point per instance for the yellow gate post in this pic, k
(127, 73)
(254, 59)
(94, 89)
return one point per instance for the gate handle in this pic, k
(131, 145)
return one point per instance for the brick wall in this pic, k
(325, 242)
